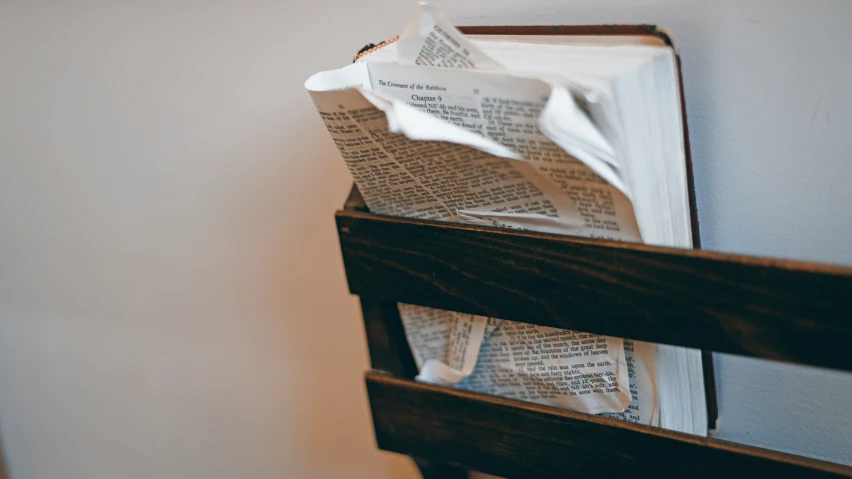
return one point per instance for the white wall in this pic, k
(172, 301)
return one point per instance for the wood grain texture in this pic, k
(389, 352)
(386, 340)
(511, 438)
(766, 308)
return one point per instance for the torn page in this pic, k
(431, 40)
(516, 112)
(644, 407)
(440, 174)
(562, 121)
(445, 344)
(557, 367)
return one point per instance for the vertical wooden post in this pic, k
(389, 352)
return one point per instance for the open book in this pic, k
(579, 135)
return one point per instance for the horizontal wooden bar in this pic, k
(512, 438)
(766, 308)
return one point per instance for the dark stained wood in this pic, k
(511, 438)
(767, 308)
(386, 341)
(709, 372)
(389, 352)
(744, 317)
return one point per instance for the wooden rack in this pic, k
(766, 308)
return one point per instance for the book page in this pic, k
(556, 367)
(436, 179)
(644, 406)
(512, 112)
(445, 344)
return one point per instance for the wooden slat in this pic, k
(774, 309)
(511, 438)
